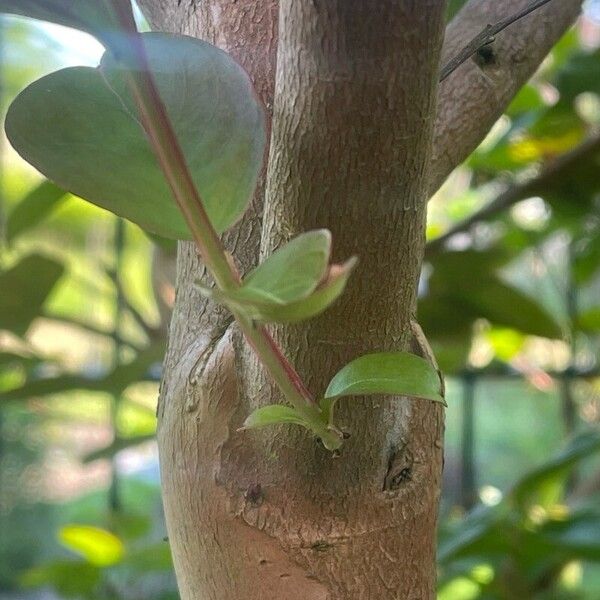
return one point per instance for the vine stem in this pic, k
(169, 154)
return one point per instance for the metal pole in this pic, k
(114, 497)
(468, 491)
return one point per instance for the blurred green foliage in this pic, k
(509, 303)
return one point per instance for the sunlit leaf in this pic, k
(77, 131)
(506, 343)
(33, 209)
(94, 16)
(273, 415)
(24, 289)
(98, 546)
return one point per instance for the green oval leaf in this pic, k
(98, 546)
(272, 415)
(290, 273)
(397, 373)
(75, 128)
(505, 305)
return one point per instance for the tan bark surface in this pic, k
(271, 514)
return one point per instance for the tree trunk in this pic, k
(271, 514)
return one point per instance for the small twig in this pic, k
(89, 327)
(518, 192)
(127, 306)
(486, 37)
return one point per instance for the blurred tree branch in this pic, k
(532, 187)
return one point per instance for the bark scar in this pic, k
(400, 466)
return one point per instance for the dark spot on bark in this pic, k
(397, 480)
(284, 575)
(254, 494)
(399, 468)
(485, 56)
(320, 546)
(263, 561)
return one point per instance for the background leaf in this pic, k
(542, 485)
(33, 209)
(25, 287)
(115, 381)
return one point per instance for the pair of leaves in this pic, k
(397, 373)
(295, 283)
(79, 127)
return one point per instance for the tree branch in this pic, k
(487, 36)
(476, 95)
(515, 193)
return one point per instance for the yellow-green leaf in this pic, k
(98, 546)
(273, 415)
